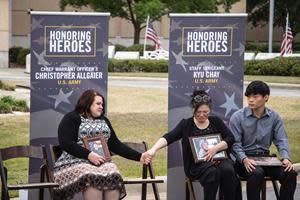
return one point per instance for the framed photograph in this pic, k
(266, 161)
(98, 145)
(200, 144)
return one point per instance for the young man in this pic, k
(255, 128)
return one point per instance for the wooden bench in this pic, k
(38, 152)
(140, 147)
(190, 193)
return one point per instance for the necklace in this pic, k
(200, 125)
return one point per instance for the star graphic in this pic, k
(61, 97)
(241, 49)
(175, 25)
(68, 64)
(228, 69)
(229, 105)
(103, 49)
(179, 60)
(41, 59)
(32, 85)
(204, 63)
(40, 40)
(36, 24)
(178, 41)
(171, 83)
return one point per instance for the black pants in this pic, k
(227, 179)
(288, 180)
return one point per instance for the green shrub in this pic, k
(13, 54)
(20, 105)
(135, 47)
(140, 48)
(261, 47)
(9, 104)
(22, 56)
(137, 65)
(273, 67)
(7, 99)
(5, 107)
(264, 47)
(119, 47)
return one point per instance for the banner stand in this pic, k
(206, 52)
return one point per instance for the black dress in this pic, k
(209, 174)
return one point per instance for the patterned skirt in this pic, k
(78, 177)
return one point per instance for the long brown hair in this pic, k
(86, 100)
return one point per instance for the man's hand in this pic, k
(249, 164)
(95, 158)
(287, 165)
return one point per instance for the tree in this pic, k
(258, 13)
(136, 11)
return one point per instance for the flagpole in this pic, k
(146, 35)
(271, 17)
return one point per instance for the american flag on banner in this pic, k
(287, 42)
(151, 34)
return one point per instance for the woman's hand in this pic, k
(210, 153)
(147, 156)
(95, 158)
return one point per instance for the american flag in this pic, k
(151, 34)
(287, 42)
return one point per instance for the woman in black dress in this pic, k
(210, 173)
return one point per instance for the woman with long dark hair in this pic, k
(81, 170)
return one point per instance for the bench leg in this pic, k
(155, 191)
(276, 189)
(144, 191)
(191, 190)
(263, 190)
(187, 191)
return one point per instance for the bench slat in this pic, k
(139, 181)
(32, 185)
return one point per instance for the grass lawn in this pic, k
(139, 115)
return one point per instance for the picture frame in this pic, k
(98, 145)
(200, 143)
(266, 160)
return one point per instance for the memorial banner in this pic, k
(68, 56)
(206, 52)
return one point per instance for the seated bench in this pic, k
(190, 193)
(56, 151)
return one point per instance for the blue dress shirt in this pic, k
(254, 134)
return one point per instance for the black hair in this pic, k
(199, 98)
(86, 100)
(257, 87)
